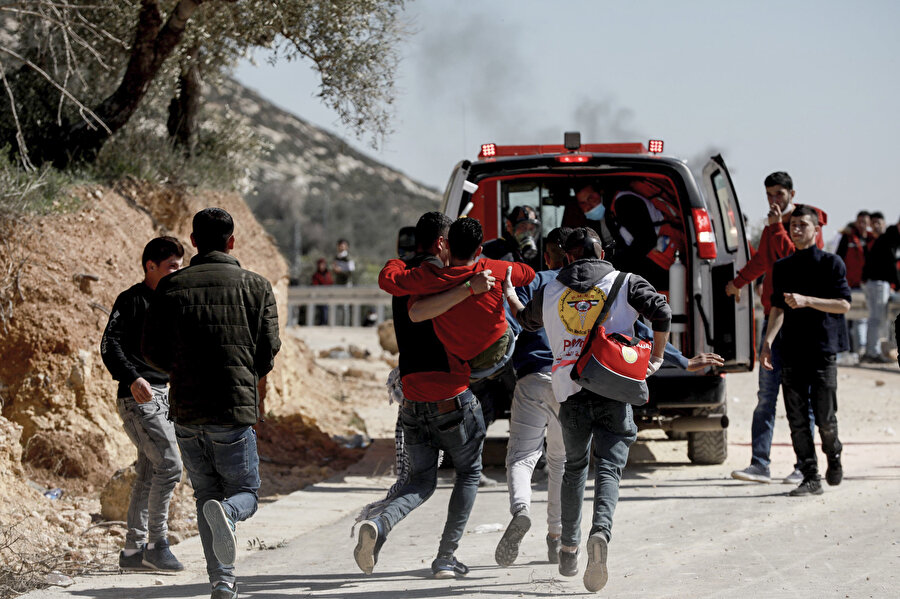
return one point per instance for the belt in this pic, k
(444, 406)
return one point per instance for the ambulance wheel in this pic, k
(708, 447)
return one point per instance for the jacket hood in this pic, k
(583, 274)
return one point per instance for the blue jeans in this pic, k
(460, 434)
(587, 417)
(158, 467)
(223, 464)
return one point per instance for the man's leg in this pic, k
(527, 423)
(197, 454)
(575, 420)
(460, 434)
(136, 535)
(162, 451)
(796, 403)
(763, 426)
(614, 432)
(823, 394)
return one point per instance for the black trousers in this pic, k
(812, 382)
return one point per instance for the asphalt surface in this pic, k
(680, 531)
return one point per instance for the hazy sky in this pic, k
(808, 87)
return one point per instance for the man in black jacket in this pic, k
(142, 401)
(214, 328)
(880, 274)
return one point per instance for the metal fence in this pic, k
(335, 305)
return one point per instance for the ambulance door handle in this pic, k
(709, 340)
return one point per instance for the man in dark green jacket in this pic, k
(213, 327)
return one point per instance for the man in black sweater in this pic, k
(144, 407)
(810, 296)
(213, 327)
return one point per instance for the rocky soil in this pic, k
(59, 428)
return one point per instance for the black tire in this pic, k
(708, 447)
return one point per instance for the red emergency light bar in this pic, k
(493, 150)
(655, 146)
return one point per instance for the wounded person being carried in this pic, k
(648, 233)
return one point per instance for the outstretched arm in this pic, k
(427, 308)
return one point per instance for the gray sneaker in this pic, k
(794, 478)
(568, 562)
(596, 574)
(508, 547)
(753, 473)
(223, 539)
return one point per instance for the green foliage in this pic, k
(37, 191)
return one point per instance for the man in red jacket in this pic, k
(474, 330)
(774, 244)
(852, 249)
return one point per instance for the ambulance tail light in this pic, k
(488, 150)
(655, 146)
(706, 239)
(572, 158)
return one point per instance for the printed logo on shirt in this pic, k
(578, 310)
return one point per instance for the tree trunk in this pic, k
(184, 109)
(153, 43)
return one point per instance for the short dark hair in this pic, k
(804, 210)
(465, 237)
(556, 242)
(342, 240)
(212, 229)
(431, 225)
(877, 215)
(863, 213)
(160, 249)
(584, 242)
(780, 178)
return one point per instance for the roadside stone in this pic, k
(387, 337)
(116, 494)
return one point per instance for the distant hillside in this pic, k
(313, 188)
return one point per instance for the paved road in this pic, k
(680, 530)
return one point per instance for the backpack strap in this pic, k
(610, 298)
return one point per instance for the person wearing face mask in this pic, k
(520, 240)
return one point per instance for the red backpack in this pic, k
(613, 365)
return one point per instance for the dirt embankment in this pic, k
(59, 425)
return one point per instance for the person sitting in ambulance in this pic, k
(520, 240)
(649, 234)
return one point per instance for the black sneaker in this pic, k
(835, 472)
(568, 562)
(811, 485)
(553, 547)
(134, 561)
(161, 558)
(596, 574)
(221, 590)
(448, 567)
(508, 547)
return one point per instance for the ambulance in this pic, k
(682, 232)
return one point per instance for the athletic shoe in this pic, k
(794, 478)
(810, 486)
(161, 558)
(134, 561)
(596, 573)
(753, 473)
(553, 546)
(221, 590)
(367, 546)
(508, 547)
(448, 567)
(568, 562)
(835, 472)
(224, 541)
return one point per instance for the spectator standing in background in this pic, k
(880, 274)
(322, 276)
(343, 267)
(878, 228)
(852, 249)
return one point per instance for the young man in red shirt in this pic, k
(774, 244)
(474, 330)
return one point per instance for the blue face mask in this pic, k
(595, 213)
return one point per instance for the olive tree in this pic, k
(75, 71)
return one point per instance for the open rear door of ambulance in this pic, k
(732, 322)
(457, 187)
